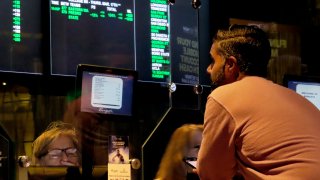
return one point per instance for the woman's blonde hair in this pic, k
(54, 130)
(171, 165)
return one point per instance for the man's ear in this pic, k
(231, 63)
(232, 69)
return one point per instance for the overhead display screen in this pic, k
(91, 32)
(103, 33)
(157, 39)
(21, 36)
(124, 34)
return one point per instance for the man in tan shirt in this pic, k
(254, 127)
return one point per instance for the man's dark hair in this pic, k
(248, 44)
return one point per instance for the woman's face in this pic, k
(61, 152)
(192, 152)
(195, 144)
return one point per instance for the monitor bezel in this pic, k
(300, 78)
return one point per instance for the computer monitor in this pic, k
(106, 90)
(307, 86)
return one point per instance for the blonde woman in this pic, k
(57, 146)
(184, 143)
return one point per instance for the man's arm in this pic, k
(216, 159)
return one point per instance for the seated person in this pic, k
(57, 146)
(184, 144)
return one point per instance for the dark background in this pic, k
(158, 112)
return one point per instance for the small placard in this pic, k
(118, 149)
(119, 171)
